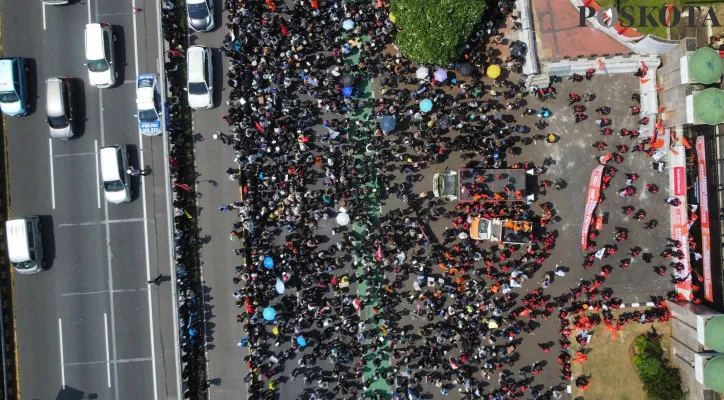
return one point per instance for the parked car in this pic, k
(148, 104)
(14, 86)
(100, 55)
(200, 77)
(200, 14)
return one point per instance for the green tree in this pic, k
(661, 381)
(434, 31)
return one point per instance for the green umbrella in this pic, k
(714, 333)
(706, 65)
(709, 106)
(714, 374)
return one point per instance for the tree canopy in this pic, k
(434, 31)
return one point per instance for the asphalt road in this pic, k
(226, 367)
(90, 326)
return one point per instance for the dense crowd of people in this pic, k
(310, 149)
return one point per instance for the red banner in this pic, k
(594, 191)
(704, 218)
(679, 181)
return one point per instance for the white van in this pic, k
(114, 172)
(25, 244)
(200, 77)
(59, 106)
(14, 86)
(100, 55)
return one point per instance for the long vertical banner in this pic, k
(704, 217)
(680, 232)
(594, 191)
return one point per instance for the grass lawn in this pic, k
(610, 362)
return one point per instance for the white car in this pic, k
(100, 55)
(148, 103)
(200, 77)
(114, 173)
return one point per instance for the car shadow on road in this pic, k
(33, 84)
(77, 87)
(48, 238)
(121, 51)
(217, 63)
(134, 160)
(69, 393)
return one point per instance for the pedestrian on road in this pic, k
(220, 136)
(133, 171)
(157, 281)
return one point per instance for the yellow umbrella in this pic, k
(393, 19)
(493, 71)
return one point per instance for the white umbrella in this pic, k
(343, 218)
(422, 73)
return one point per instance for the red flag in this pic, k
(284, 31)
(259, 127)
(378, 253)
(356, 304)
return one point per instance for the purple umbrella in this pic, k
(440, 75)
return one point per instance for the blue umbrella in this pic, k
(388, 123)
(268, 262)
(426, 105)
(301, 341)
(279, 286)
(347, 91)
(440, 75)
(269, 313)
(348, 25)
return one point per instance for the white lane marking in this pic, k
(145, 225)
(126, 360)
(109, 253)
(44, 26)
(73, 154)
(110, 290)
(110, 221)
(103, 291)
(108, 350)
(169, 214)
(103, 129)
(98, 173)
(89, 11)
(62, 366)
(52, 174)
(135, 34)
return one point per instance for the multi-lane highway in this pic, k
(90, 326)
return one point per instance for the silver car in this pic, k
(201, 15)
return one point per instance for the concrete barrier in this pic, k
(527, 35)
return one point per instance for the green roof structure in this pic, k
(709, 106)
(714, 334)
(706, 66)
(714, 374)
